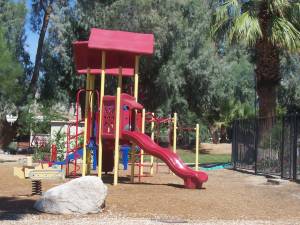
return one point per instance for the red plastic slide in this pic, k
(192, 179)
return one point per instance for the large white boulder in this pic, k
(79, 196)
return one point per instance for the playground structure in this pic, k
(112, 121)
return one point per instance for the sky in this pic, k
(32, 38)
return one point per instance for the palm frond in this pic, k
(245, 28)
(296, 7)
(285, 34)
(240, 21)
(224, 14)
(278, 6)
(294, 13)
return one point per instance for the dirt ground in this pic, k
(228, 195)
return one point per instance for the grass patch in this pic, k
(188, 156)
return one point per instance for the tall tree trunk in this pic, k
(267, 77)
(267, 100)
(267, 67)
(35, 75)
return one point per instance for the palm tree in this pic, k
(269, 27)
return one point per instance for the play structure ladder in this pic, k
(141, 166)
(73, 150)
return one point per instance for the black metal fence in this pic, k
(268, 145)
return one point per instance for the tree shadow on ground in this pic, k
(7, 161)
(205, 150)
(180, 186)
(15, 208)
(109, 179)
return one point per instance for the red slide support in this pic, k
(192, 179)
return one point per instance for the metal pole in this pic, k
(197, 147)
(102, 87)
(117, 127)
(174, 132)
(294, 149)
(256, 138)
(91, 104)
(233, 147)
(84, 165)
(255, 95)
(136, 93)
(282, 146)
(136, 77)
(152, 138)
(142, 151)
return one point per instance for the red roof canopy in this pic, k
(121, 41)
(90, 58)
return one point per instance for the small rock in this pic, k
(276, 181)
(79, 196)
(273, 181)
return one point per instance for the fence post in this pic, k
(256, 138)
(294, 149)
(233, 147)
(282, 146)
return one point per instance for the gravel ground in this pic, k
(228, 198)
(112, 220)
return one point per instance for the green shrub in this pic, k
(42, 153)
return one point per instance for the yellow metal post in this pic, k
(175, 132)
(136, 77)
(132, 163)
(117, 127)
(142, 151)
(84, 165)
(135, 94)
(152, 137)
(91, 106)
(102, 87)
(91, 94)
(197, 147)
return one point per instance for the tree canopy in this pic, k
(185, 75)
(10, 72)
(204, 79)
(12, 18)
